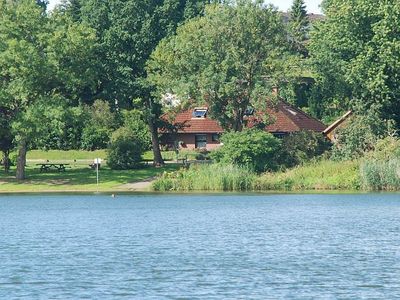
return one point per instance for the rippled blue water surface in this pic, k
(200, 247)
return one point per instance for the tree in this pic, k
(299, 25)
(354, 53)
(40, 57)
(6, 137)
(225, 58)
(128, 32)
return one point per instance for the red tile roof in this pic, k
(285, 118)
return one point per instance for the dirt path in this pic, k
(139, 186)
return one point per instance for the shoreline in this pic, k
(151, 192)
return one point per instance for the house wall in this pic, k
(188, 141)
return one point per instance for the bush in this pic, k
(134, 121)
(359, 136)
(300, 147)
(207, 177)
(125, 150)
(99, 126)
(252, 148)
(95, 138)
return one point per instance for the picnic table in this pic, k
(44, 167)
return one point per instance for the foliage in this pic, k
(385, 149)
(125, 150)
(207, 177)
(95, 138)
(99, 126)
(300, 147)
(134, 120)
(359, 136)
(41, 56)
(315, 175)
(355, 52)
(6, 137)
(128, 31)
(253, 148)
(299, 25)
(223, 58)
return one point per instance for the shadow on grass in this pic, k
(85, 176)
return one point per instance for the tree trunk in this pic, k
(6, 162)
(158, 160)
(21, 160)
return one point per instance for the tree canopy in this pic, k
(225, 58)
(355, 53)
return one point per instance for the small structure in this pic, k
(196, 130)
(331, 130)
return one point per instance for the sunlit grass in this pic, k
(77, 178)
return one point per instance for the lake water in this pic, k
(200, 247)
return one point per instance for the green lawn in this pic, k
(78, 178)
(84, 157)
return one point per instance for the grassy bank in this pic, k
(321, 175)
(78, 178)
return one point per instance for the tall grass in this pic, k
(380, 175)
(207, 177)
(316, 175)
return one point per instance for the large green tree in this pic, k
(355, 54)
(227, 58)
(40, 56)
(128, 32)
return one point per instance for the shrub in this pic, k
(252, 148)
(134, 121)
(94, 138)
(300, 147)
(99, 126)
(125, 150)
(359, 136)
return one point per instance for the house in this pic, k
(331, 131)
(194, 129)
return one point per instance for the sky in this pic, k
(283, 5)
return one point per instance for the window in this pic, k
(249, 111)
(215, 137)
(200, 140)
(199, 113)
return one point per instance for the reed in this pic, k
(207, 177)
(380, 174)
(316, 175)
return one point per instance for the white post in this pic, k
(97, 161)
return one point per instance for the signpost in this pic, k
(97, 162)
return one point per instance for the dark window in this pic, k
(215, 137)
(200, 141)
(199, 113)
(249, 111)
